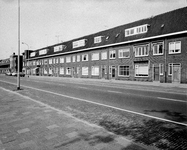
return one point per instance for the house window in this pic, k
(68, 59)
(112, 54)
(95, 70)
(43, 51)
(84, 70)
(45, 70)
(73, 57)
(79, 43)
(62, 60)
(95, 56)
(59, 48)
(61, 70)
(97, 39)
(78, 58)
(170, 71)
(50, 71)
(50, 61)
(56, 60)
(124, 53)
(85, 57)
(103, 55)
(175, 47)
(123, 70)
(141, 70)
(32, 54)
(68, 71)
(136, 30)
(161, 69)
(45, 61)
(141, 50)
(157, 48)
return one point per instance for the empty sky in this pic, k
(46, 22)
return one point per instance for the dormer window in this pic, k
(59, 48)
(136, 30)
(98, 39)
(79, 43)
(32, 54)
(43, 51)
(107, 38)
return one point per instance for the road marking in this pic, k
(170, 99)
(100, 104)
(114, 92)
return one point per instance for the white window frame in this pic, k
(141, 48)
(124, 70)
(138, 65)
(104, 55)
(84, 57)
(68, 59)
(121, 52)
(50, 61)
(173, 51)
(161, 69)
(112, 54)
(43, 51)
(32, 54)
(73, 58)
(98, 39)
(95, 70)
(59, 48)
(61, 70)
(95, 56)
(85, 73)
(157, 46)
(136, 30)
(61, 59)
(78, 58)
(79, 43)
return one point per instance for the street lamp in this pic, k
(18, 71)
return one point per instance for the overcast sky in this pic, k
(47, 22)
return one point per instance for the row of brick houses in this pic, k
(151, 49)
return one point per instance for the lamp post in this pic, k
(18, 71)
(27, 53)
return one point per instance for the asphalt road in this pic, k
(156, 102)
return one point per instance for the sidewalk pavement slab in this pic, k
(26, 124)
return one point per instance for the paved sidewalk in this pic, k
(26, 124)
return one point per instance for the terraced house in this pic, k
(151, 49)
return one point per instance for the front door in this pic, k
(113, 71)
(156, 73)
(176, 73)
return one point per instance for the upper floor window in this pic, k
(95, 56)
(79, 43)
(175, 47)
(62, 60)
(136, 30)
(97, 39)
(43, 51)
(68, 59)
(124, 53)
(85, 57)
(50, 61)
(157, 48)
(56, 60)
(112, 54)
(32, 54)
(78, 58)
(103, 55)
(141, 50)
(59, 48)
(73, 57)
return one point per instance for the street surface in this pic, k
(151, 101)
(154, 116)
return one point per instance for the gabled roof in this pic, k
(163, 24)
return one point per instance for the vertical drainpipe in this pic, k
(165, 60)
